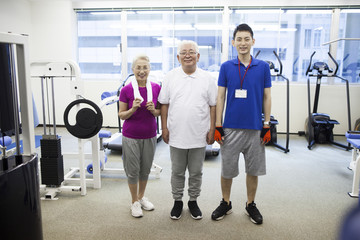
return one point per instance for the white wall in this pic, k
(332, 101)
(52, 28)
(15, 16)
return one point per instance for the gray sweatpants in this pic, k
(181, 159)
(138, 156)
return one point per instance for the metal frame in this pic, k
(69, 69)
(319, 76)
(278, 73)
(355, 166)
(19, 44)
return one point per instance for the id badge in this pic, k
(240, 93)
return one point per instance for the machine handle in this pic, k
(308, 69)
(337, 65)
(123, 83)
(280, 63)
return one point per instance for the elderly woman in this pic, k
(138, 107)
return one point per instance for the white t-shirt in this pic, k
(189, 98)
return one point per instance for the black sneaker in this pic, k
(253, 213)
(223, 209)
(194, 210)
(176, 210)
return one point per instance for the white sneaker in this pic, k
(146, 204)
(136, 210)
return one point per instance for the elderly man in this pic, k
(188, 101)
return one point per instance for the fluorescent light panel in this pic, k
(350, 11)
(105, 13)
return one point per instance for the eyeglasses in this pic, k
(191, 53)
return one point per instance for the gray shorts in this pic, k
(138, 156)
(246, 141)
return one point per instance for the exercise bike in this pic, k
(319, 126)
(277, 72)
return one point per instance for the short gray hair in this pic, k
(183, 42)
(138, 57)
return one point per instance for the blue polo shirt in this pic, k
(244, 113)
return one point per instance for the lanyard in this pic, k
(242, 80)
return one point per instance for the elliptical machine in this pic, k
(277, 72)
(319, 126)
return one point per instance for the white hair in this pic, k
(138, 57)
(184, 42)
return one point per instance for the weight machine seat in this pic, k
(352, 134)
(104, 134)
(355, 142)
(272, 121)
(353, 137)
(6, 142)
(323, 118)
(321, 66)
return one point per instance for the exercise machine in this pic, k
(353, 137)
(20, 212)
(277, 72)
(53, 178)
(319, 126)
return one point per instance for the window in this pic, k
(265, 25)
(293, 34)
(155, 33)
(151, 32)
(348, 54)
(99, 39)
(307, 39)
(205, 28)
(304, 28)
(317, 37)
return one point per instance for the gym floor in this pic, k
(303, 196)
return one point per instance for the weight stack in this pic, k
(51, 162)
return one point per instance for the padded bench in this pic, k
(353, 137)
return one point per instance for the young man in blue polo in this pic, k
(246, 82)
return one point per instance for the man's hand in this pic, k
(165, 135)
(219, 134)
(210, 137)
(265, 135)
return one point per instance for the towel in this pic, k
(137, 92)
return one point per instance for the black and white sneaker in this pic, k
(176, 210)
(194, 210)
(223, 209)
(253, 213)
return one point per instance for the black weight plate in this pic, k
(88, 122)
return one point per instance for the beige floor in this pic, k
(303, 196)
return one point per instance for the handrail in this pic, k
(339, 39)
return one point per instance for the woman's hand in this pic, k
(150, 106)
(136, 104)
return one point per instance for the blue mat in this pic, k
(37, 143)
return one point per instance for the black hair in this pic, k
(243, 28)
